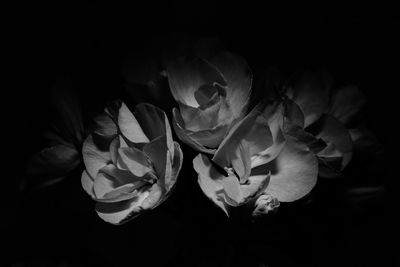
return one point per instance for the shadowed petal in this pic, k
(293, 173)
(239, 79)
(184, 137)
(208, 185)
(170, 180)
(93, 157)
(312, 96)
(185, 77)
(55, 160)
(121, 212)
(151, 120)
(247, 138)
(105, 126)
(87, 183)
(135, 160)
(346, 103)
(129, 126)
(333, 131)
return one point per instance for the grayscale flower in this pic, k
(256, 159)
(212, 96)
(132, 163)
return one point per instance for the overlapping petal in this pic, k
(138, 168)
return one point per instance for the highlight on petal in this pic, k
(185, 77)
(265, 204)
(247, 138)
(184, 134)
(87, 183)
(239, 80)
(152, 120)
(93, 157)
(346, 102)
(207, 181)
(293, 173)
(135, 160)
(153, 199)
(177, 160)
(311, 94)
(121, 212)
(129, 126)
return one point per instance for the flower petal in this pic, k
(346, 103)
(207, 177)
(105, 126)
(185, 77)
(151, 119)
(247, 138)
(198, 119)
(129, 126)
(156, 150)
(333, 131)
(170, 180)
(183, 134)
(93, 157)
(293, 173)
(135, 160)
(153, 199)
(87, 183)
(239, 79)
(312, 96)
(121, 212)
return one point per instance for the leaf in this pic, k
(55, 161)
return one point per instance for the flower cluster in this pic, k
(254, 158)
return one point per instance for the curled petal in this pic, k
(187, 76)
(153, 199)
(121, 212)
(198, 119)
(207, 177)
(135, 160)
(239, 79)
(129, 126)
(87, 183)
(333, 131)
(171, 176)
(293, 173)
(105, 126)
(93, 157)
(184, 134)
(265, 204)
(247, 138)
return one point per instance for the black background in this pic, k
(90, 41)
